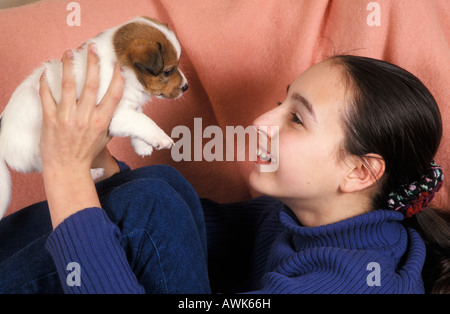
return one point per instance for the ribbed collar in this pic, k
(378, 229)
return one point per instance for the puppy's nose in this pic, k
(184, 88)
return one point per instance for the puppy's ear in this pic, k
(147, 57)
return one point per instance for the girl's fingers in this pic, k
(109, 103)
(83, 109)
(47, 100)
(88, 99)
(68, 94)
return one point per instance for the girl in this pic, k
(343, 213)
(357, 138)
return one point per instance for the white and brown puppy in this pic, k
(148, 53)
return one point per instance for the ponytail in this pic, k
(434, 227)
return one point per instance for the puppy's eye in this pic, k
(169, 72)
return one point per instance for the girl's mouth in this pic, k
(263, 158)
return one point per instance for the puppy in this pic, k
(148, 53)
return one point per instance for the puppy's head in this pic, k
(152, 51)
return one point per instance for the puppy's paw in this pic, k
(164, 142)
(97, 173)
(141, 148)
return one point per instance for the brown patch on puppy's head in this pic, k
(153, 58)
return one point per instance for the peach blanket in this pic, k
(239, 56)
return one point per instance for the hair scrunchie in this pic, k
(415, 197)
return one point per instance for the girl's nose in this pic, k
(269, 122)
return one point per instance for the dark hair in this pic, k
(392, 114)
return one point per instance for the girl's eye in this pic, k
(279, 103)
(296, 119)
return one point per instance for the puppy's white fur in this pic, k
(21, 120)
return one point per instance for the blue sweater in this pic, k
(259, 246)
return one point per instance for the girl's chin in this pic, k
(260, 181)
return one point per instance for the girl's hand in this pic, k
(74, 134)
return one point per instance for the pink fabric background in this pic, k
(238, 56)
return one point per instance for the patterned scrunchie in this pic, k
(412, 198)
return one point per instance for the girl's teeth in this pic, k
(263, 156)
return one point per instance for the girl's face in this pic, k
(309, 169)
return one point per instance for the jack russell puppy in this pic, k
(148, 53)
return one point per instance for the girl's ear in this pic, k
(364, 173)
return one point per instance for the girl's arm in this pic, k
(85, 243)
(74, 135)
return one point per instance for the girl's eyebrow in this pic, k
(303, 101)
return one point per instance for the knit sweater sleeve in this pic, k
(88, 256)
